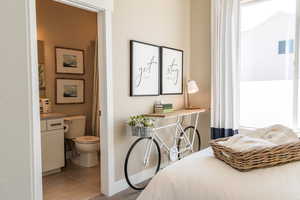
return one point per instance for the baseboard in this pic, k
(122, 185)
(55, 171)
(139, 177)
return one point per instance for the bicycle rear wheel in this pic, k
(181, 144)
(136, 162)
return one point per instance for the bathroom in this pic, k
(69, 101)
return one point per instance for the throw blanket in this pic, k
(261, 138)
(203, 177)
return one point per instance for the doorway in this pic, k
(103, 10)
(68, 83)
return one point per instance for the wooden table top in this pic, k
(176, 113)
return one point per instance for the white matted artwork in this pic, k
(171, 71)
(144, 69)
(69, 61)
(69, 91)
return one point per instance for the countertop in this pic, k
(52, 116)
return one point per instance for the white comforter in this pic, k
(203, 177)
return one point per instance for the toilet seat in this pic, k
(87, 139)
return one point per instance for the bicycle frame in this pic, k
(177, 135)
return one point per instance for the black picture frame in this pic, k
(133, 67)
(162, 59)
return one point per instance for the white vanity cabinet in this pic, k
(53, 156)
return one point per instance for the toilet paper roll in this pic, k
(66, 128)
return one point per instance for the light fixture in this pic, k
(192, 88)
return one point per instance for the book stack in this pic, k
(163, 108)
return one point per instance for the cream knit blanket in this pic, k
(261, 138)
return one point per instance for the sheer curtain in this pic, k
(96, 108)
(225, 68)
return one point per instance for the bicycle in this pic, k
(185, 141)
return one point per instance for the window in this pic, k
(291, 46)
(268, 88)
(281, 47)
(284, 45)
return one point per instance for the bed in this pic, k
(203, 177)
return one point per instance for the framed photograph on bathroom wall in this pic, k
(42, 76)
(144, 69)
(69, 61)
(171, 71)
(69, 91)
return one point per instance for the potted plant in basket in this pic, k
(141, 126)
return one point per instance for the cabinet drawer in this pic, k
(43, 125)
(55, 124)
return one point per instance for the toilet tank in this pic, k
(75, 126)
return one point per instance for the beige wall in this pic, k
(65, 26)
(16, 174)
(160, 22)
(200, 62)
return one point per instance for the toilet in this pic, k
(87, 146)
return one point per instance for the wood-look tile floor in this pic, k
(73, 183)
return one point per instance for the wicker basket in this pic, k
(267, 157)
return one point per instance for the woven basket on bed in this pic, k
(267, 157)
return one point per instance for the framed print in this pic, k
(69, 61)
(69, 91)
(144, 69)
(42, 77)
(171, 71)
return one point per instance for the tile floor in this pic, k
(74, 183)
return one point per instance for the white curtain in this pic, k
(96, 109)
(225, 67)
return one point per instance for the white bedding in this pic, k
(203, 177)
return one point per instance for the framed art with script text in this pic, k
(144, 69)
(171, 71)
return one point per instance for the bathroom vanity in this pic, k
(52, 141)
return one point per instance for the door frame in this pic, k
(103, 8)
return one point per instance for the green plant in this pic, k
(140, 121)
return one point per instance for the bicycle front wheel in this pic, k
(144, 156)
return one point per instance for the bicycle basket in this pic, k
(140, 131)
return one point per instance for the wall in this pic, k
(65, 26)
(17, 174)
(160, 22)
(200, 62)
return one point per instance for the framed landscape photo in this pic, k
(69, 61)
(171, 71)
(144, 69)
(69, 91)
